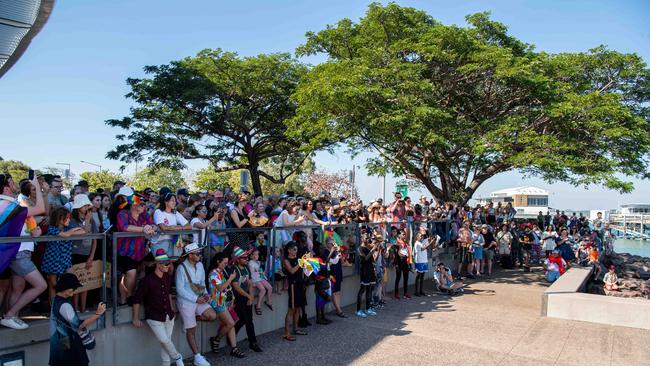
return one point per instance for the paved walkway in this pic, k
(496, 322)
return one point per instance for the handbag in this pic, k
(197, 289)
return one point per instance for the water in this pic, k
(635, 247)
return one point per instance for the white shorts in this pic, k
(189, 312)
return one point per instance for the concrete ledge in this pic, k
(625, 312)
(124, 344)
(574, 280)
(565, 300)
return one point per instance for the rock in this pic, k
(634, 275)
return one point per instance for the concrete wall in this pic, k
(126, 345)
(565, 300)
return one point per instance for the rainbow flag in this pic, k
(329, 232)
(310, 265)
(30, 224)
(12, 219)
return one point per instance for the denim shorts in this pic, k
(23, 265)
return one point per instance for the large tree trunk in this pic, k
(255, 179)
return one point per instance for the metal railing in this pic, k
(115, 236)
(349, 235)
(101, 322)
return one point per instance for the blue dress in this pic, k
(58, 254)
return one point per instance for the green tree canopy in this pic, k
(17, 169)
(451, 107)
(158, 178)
(102, 179)
(217, 107)
(209, 179)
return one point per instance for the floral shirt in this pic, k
(217, 298)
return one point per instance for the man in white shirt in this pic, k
(422, 260)
(192, 297)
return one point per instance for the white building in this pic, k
(635, 209)
(528, 200)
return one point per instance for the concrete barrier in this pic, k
(126, 345)
(565, 300)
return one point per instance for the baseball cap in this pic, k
(67, 281)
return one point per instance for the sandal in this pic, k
(214, 344)
(341, 315)
(258, 311)
(300, 331)
(236, 352)
(289, 338)
(268, 305)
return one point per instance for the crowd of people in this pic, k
(246, 265)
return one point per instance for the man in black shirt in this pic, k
(243, 289)
(489, 247)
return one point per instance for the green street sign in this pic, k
(402, 188)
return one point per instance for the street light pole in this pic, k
(66, 172)
(89, 163)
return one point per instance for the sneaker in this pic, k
(14, 322)
(371, 312)
(396, 297)
(199, 360)
(361, 314)
(407, 296)
(179, 361)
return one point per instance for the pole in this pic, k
(66, 173)
(89, 163)
(383, 188)
(354, 177)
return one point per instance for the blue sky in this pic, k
(72, 77)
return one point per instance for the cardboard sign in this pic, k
(91, 278)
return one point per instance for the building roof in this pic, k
(527, 190)
(636, 205)
(20, 21)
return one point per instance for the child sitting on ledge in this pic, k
(610, 279)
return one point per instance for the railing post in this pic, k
(271, 257)
(114, 284)
(102, 319)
